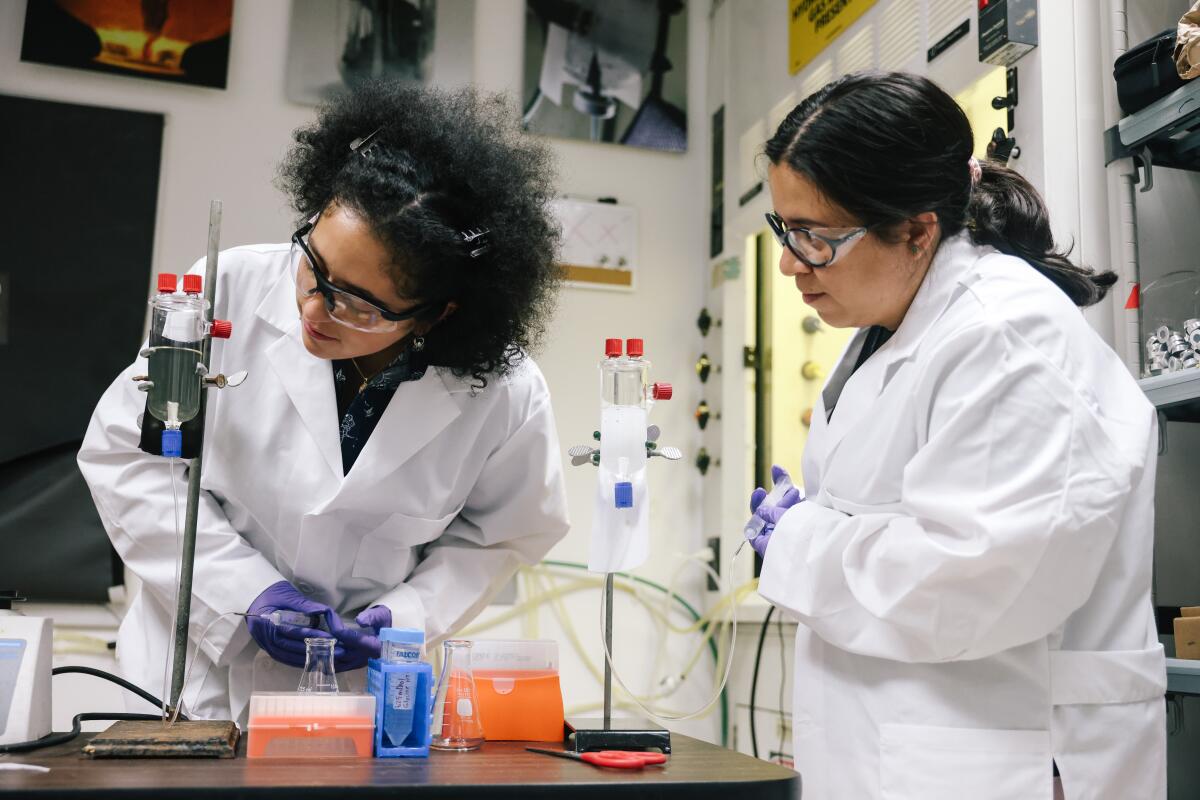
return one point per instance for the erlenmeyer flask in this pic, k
(456, 723)
(318, 667)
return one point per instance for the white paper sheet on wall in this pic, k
(599, 243)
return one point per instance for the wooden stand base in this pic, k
(153, 739)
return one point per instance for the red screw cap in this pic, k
(166, 283)
(661, 391)
(612, 348)
(221, 328)
(192, 284)
(635, 348)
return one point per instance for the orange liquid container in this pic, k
(518, 690)
(302, 725)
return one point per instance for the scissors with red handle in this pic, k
(621, 759)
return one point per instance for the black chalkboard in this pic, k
(77, 218)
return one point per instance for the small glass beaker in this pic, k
(456, 723)
(318, 667)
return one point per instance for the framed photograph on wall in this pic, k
(183, 41)
(334, 44)
(599, 244)
(607, 71)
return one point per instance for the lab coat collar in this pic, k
(417, 413)
(278, 308)
(308, 381)
(944, 281)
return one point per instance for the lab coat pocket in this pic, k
(831, 500)
(387, 555)
(929, 763)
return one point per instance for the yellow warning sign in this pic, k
(813, 24)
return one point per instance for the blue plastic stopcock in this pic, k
(623, 494)
(402, 635)
(172, 443)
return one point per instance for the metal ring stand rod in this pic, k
(184, 608)
(608, 628)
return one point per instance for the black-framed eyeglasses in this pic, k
(816, 247)
(344, 307)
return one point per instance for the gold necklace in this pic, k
(361, 374)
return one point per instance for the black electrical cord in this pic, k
(108, 676)
(76, 724)
(76, 727)
(762, 636)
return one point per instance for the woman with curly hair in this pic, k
(392, 456)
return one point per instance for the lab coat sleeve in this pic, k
(133, 495)
(1007, 512)
(513, 515)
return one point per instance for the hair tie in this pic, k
(976, 170)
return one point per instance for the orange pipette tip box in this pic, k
(302, 725)
(518, 690)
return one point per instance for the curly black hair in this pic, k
(441, 163)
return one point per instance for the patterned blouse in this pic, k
(360, 410)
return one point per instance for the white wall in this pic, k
(226, 144)
(669, 192)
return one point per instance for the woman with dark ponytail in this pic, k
(970, 557)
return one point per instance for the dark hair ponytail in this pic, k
(1006, 212)
(887, 146)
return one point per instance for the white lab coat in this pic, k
(452, 492)
(971, 570)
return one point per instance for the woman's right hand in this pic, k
(285, 643)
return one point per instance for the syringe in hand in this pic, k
(297, 618)
(757, 523)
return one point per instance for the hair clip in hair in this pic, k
(363, 145)
(478, 238)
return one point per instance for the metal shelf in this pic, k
(1183, 676)
(1168, 129)
(1176, 395)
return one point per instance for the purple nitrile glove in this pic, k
(285, 643)
(766, 514)
(361, 644)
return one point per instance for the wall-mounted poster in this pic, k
(334, 44)
(607, 71)
(813, 24)
(186, 41)
(599, 243)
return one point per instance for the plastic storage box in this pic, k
(518, 689)
(301, 725)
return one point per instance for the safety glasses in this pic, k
(816, 247)
(344, 307)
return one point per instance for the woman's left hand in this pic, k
(769, 513)
(362, 644)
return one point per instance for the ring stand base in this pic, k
(581, 735)
(151, 739)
